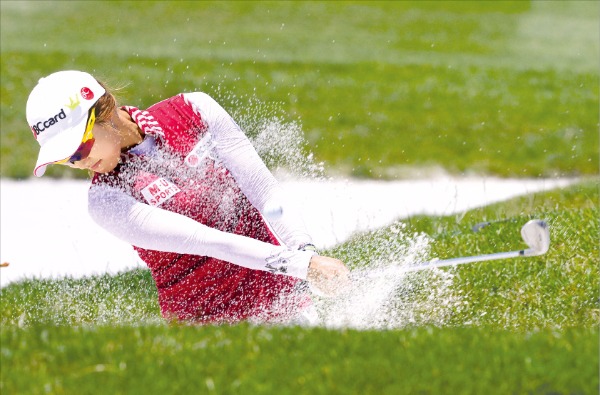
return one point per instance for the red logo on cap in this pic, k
(87, 93)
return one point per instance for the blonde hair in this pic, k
(106, 105)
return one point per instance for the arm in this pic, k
(256, 181)
(153, 228)
(326, 275)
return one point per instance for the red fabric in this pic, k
(193, 287)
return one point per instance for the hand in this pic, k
(329, 276)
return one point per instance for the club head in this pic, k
(536, 235)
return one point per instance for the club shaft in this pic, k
(463, 260)
(535, 234)
(377, 273)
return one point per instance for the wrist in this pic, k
(288, 262)
(308, 247)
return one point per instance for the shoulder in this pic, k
(191, 98)
(198, 98)
(204, 105)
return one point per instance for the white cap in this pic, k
(57, 113)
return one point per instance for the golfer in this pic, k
(181, 182)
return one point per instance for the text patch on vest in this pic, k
(159, 191)
(200, 151)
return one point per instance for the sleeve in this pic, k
(153, 228)
(255, 180)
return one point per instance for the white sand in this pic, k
(46, 231)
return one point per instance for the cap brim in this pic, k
(60, 147)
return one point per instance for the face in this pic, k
(105, 151)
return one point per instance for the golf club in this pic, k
(535, 234)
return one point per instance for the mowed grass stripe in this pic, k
(403, 117)
(381, 88)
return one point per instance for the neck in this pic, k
(131, 134)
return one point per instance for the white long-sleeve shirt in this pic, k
(151, 227)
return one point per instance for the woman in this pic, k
(181, 182)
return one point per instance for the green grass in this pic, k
(506, 88)
(380, 90)
(256, 360)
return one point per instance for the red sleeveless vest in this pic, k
(192, 287)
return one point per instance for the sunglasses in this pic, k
(86, 143)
